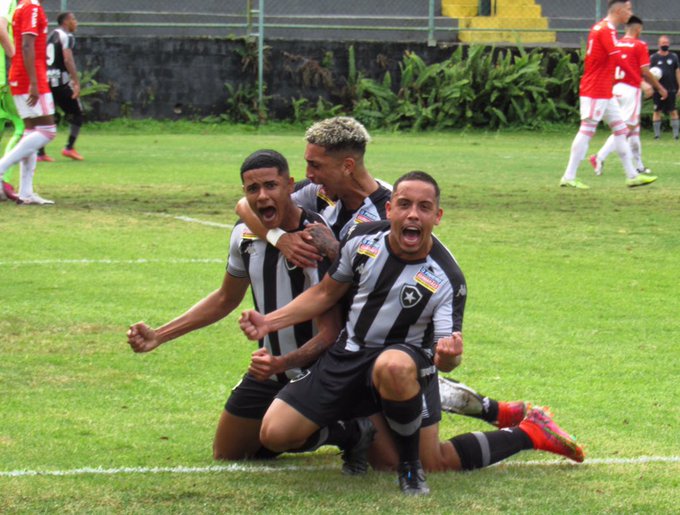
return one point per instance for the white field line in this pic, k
(141, 261)
(258, 469)
(192, 220)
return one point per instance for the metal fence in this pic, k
(541, 22)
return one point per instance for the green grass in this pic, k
(573, 302)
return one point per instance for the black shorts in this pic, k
(251, 398)
(63, 97)
(339, 387)
(665, 106)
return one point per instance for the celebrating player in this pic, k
(596, 102)
(274, 282)
(632, 65)
(404, 322)
(341, 189)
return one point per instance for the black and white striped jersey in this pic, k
(274, 283)
(312, 197)
(58, 40)
(396, 301)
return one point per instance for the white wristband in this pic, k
(273, 235)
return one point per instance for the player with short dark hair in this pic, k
(596, 102)
(274, 282)
(632, 65)
(667, 62)
(62, 75)
(404, 323)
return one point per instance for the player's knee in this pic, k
(394, 373)
(277, 438)
(47, 131)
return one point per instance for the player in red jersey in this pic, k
(632, 65)
(32, 95)
(595, 97)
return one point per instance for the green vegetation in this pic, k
(573, 303)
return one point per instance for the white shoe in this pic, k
(35, 200)
(459, 398)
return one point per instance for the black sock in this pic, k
(71, 142)
(477, 450)
(265, 454)
(340, 433)
(41, 151)
(404, 419)
(489, 411)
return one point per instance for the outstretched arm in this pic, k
(309, 304)
(263, 364)
(295, 246)
(209, 310)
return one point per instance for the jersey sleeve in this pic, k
(341, 269)
(608, 40)
(235, 264)
(28, 24)
(305, 197)
(643, 54)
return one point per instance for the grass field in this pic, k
(574, 302)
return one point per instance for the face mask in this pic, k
(664, 48)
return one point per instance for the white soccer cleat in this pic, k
(596, 164)
(35, 200)
(459, 398)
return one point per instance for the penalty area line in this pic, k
(258, 469)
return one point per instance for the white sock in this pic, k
(620, 131)
(636, 148)
(579, 148)
(606, 149)
(29, 144)
(27, 172)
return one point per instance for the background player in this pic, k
(632, 65)
(595, 98)
(64, 82)
(8, 111)
(32, 96)
(667, 61)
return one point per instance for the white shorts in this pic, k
(43, 107)
(598, 109)
(629, 100)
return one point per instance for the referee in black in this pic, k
(62, 76)
(667, 61)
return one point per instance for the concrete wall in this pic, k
(150, 77)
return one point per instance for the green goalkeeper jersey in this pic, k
(7, 8)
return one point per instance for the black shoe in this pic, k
(412, 478)
(355, 458)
